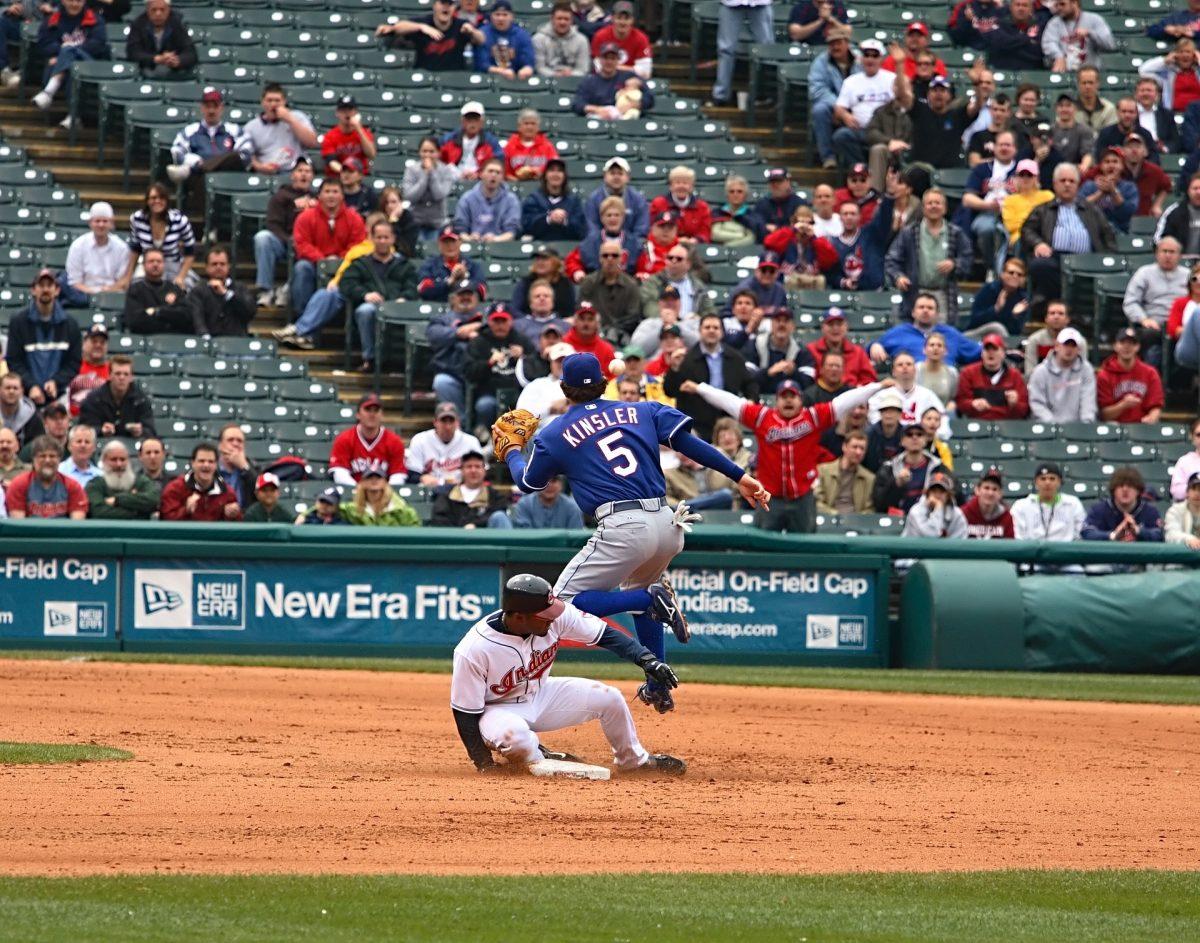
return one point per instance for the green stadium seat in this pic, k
(206, 367)
(275, 369)
(173, 388)
(243, 348)
(1156, 434)
(267, 412)
(1089, 431)
(1031, 430)
(1055, 450)
(176, 345)
(264, 453)
(302, 433)
(961, 428)
(1125, 452)
(206, 411)
(153, 365)
(304, 391)
(334, 414)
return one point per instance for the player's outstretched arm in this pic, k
(844, 403)
(624, 646)
(729, 403)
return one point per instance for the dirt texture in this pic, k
(270, 770)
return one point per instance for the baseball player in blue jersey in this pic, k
(609, 453)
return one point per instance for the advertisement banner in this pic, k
(818, 612)
(282, 602)
(64, 599)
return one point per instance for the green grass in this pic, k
(1007, 906)
(1149, 689)
(58, 753)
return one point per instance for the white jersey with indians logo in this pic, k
(493, 667)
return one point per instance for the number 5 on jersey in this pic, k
(620, 459)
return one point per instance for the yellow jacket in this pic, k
(652, 389)
(366, 247)
(1016, 209)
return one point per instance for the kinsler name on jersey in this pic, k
(590, 425)
(539, 664)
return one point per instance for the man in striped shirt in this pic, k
(1064, 226)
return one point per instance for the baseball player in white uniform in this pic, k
(502, 695)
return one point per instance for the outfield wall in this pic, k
(750, 596)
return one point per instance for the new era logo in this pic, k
(159, 598)
(57, 618)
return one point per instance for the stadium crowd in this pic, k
(619, 272)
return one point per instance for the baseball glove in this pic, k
(513, 430)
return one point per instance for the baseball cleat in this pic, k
(657, 697)
(663, 764)
(558, 755)
(665, 608)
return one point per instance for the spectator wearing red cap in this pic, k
(857, 369)
(200, 494)
(367, 446)
(990, 388)
(491, 365)
(584, 337)
(267, 508)
(357, 197)
(633, 45)
(694, 214)
(664, 236)
(788, 435)
(528, 151)
(207, 145)
(764, 284)
(988, 518)
(916, 43)
(858, 190)
(445, 271)
(1127, 388)
(348, 138)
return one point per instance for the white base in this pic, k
(564, 769)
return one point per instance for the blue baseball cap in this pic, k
(788, 386)
(582, 370)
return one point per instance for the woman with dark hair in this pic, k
(546, 266)
(408, 233)
(427, 183)
(553, 212)
(158, 225)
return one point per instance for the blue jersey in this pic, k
(607, 450)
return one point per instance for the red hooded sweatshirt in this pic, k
(317, 236)
(695, 218)
(1113, 381)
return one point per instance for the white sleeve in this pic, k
(843, 403)
(579, 626)
(414, 455)
(342, 476)
(724, 400)
(468, 685)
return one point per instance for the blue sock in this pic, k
(650, 634)
(599, 602)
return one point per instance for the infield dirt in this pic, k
(272, 770)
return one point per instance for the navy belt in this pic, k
(641, 504)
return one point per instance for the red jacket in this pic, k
(695, 219)
(973, 384)
(315, 239)
(173, 506)
(598, 346)
(336, 145)
(1113, 381)
(980, 528)
(866, 206)
(1175, 320)
(820, 255)
(518, 155)
(858, 371)
(653, 258)
(451, 151)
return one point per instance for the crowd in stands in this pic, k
(617, 270)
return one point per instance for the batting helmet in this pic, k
(528, 593)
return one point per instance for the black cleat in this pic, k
(663, 765)
(665, 608)
(657, 697)
(558, 755)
